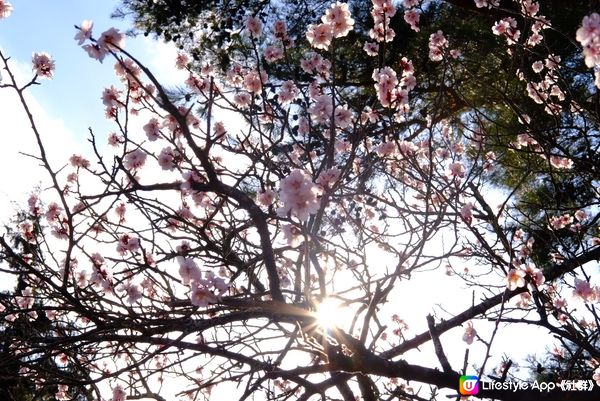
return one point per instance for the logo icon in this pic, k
(468, 385)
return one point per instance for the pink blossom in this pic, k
(507, 27)
(168, 158)
(119, 394)
(53, 212)
(133, 292)
(487, 3)
(273, 53)
(371, 48)
(456, 169)
(253, 81)
(266, 197)
(84, 32)
(329, 177)
(437, 44)
(411, 3)
(254, 26)
(581, 215)
(152, 129)
(466, 212)
(135, 159)
(386, 149)
(596, 376)
(115, 139)
(79, 161)
(242, 99)
(33, 203)
(128, 242)
(589, 37)
(189, 270)
(63, 393)
(43, 65)
(181, 61)
(470, 333)
(342, 116)
(5, 9)
(584, 291)
(537, 275)
(292, 234)
(201, 296)
(561, 162)
(95, 51)
(515, 279)
(322, 108)
(319, 36)
(111, 39)
(299, 195)
(386, 81)
(280, 29)
(287, 93)
(110, 97)
(339, 19)
(412, 18)
(560, 222)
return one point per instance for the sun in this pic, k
(332, 312)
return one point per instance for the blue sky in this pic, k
(67, 105)
(74, 93)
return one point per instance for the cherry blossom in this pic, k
(189, 270)
(322, 108)
(470, 333)
(584, 291)
(135, 159)
(63, 393)
(273, 53)
(5, 9)
(133, 292)
(201, 296)
(266, 197)
(168, 158)
(299, 195)
(466, 212)
(118, 393)
(437, 44)
(129, 243)
(152, 129)
(536, 275)
(589, 37)
(507, 27)
(254, 26)
(181, 61)
(329, 177)
(456, 169)
(515, 279)
(292, 234)
(339, 19)
(43, 65)
(487, 3)
(84, 32)
(371, 48)
(111, 40)
(412, 18)
(287, 93)
(319, 36)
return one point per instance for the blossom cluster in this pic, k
(589, 37)
(299, 195)
(336, 23)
